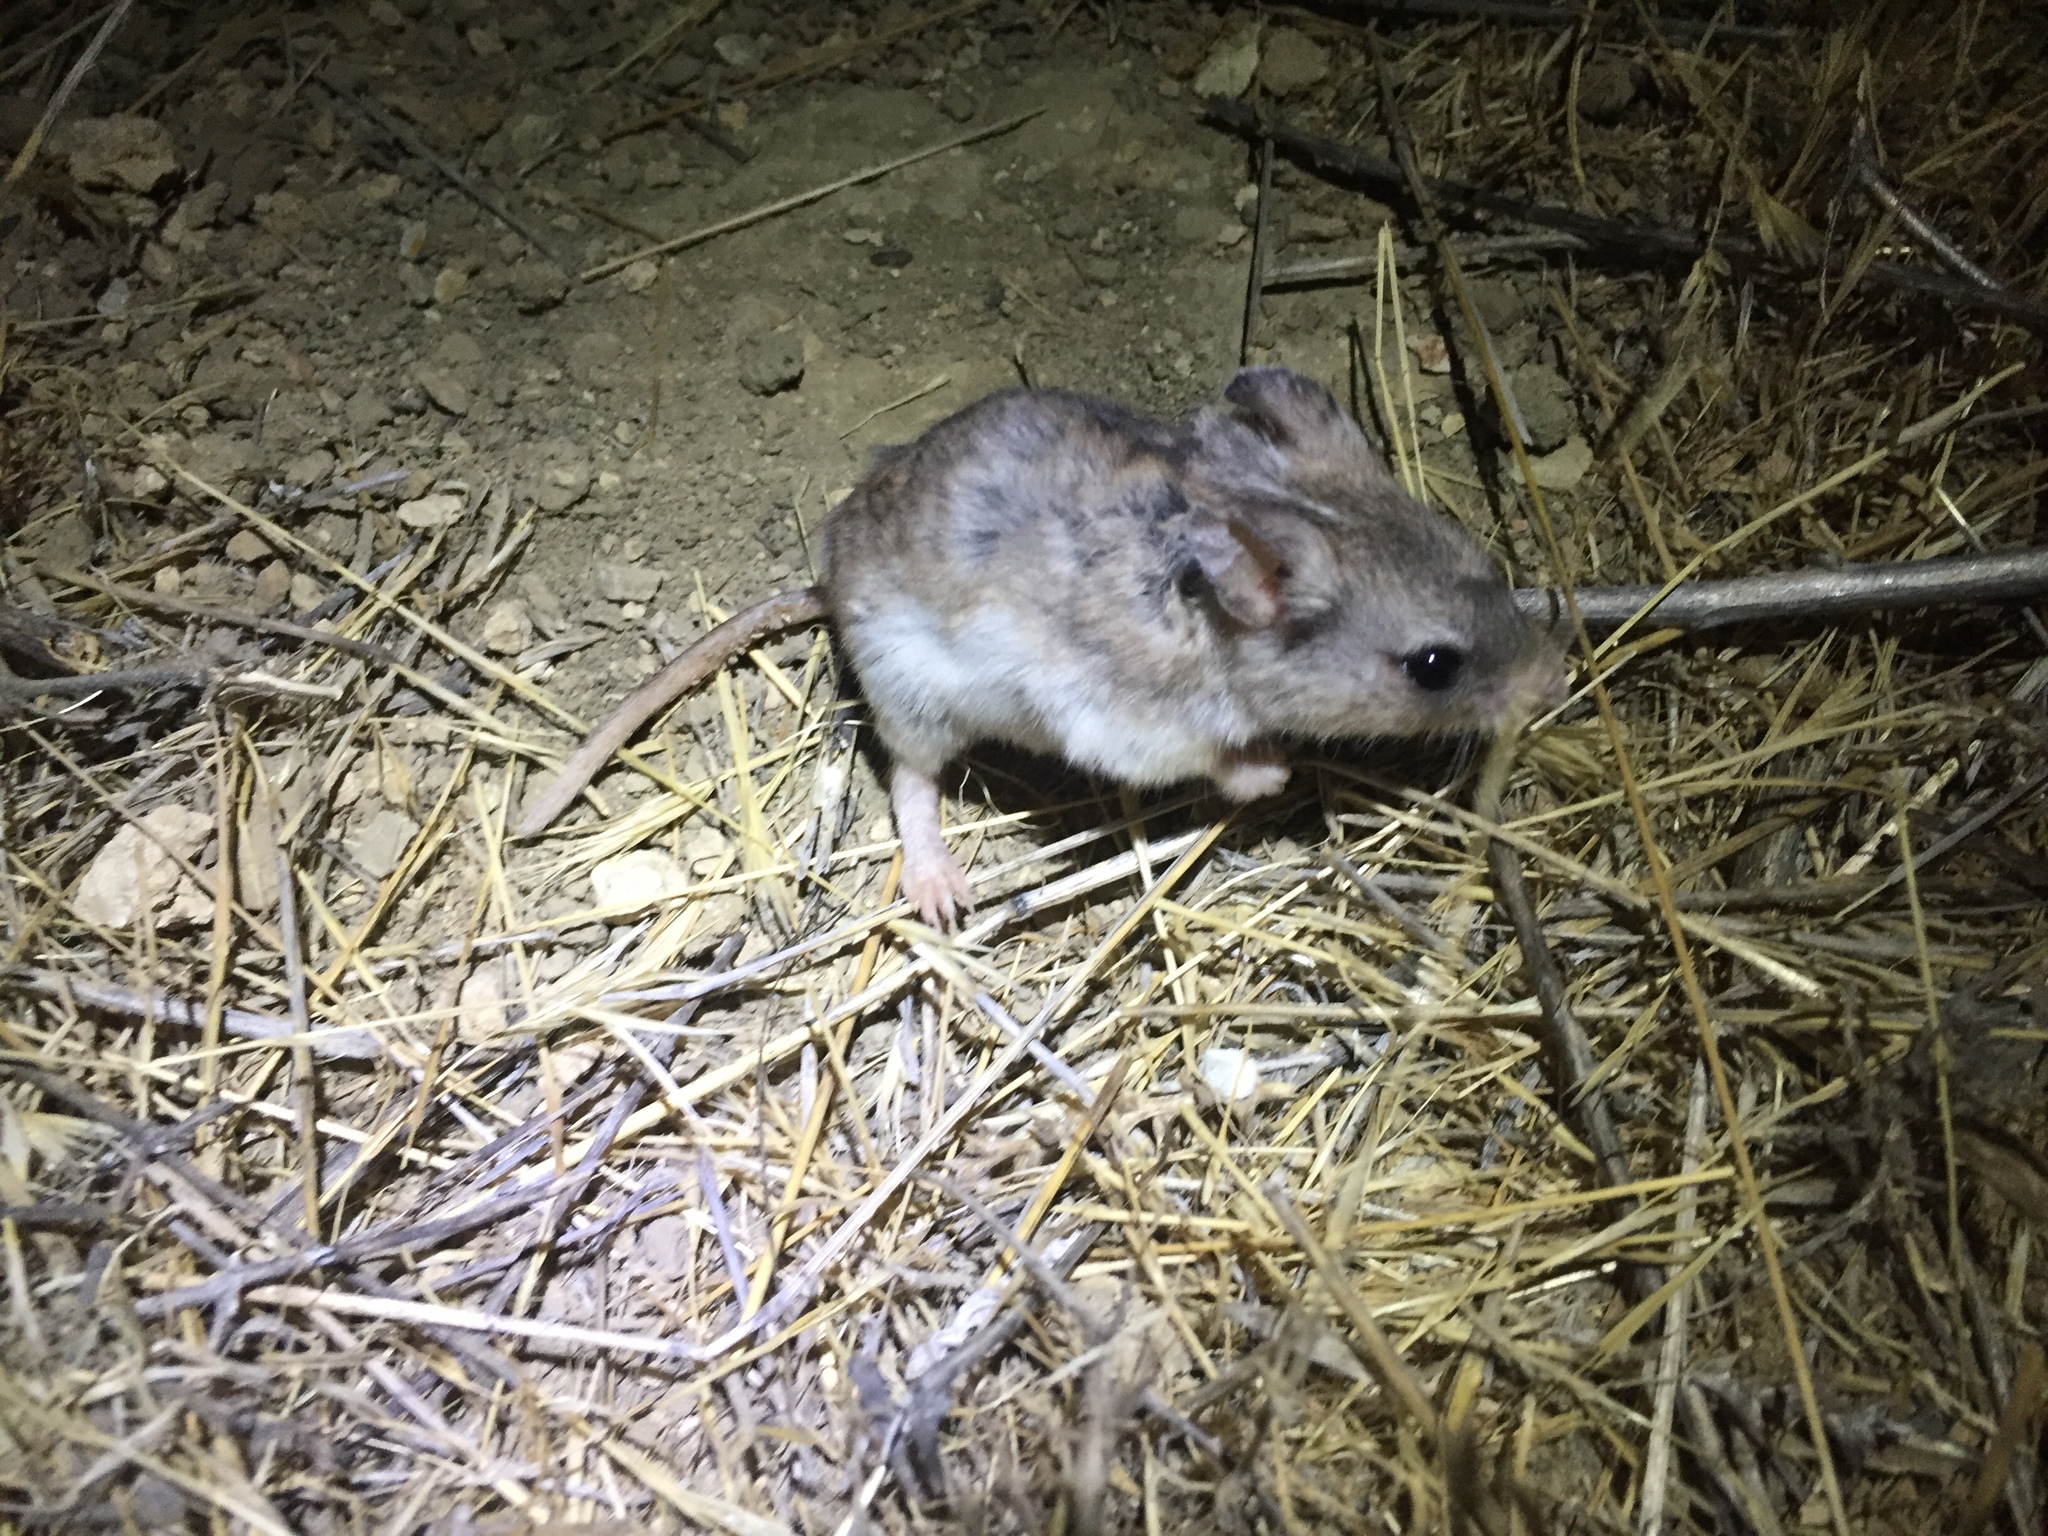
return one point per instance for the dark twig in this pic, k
(305, 1086)
(1345, 269)
(1255, 279)
(30, 57)
(1946, 582)
(1530, 13)
(1346, 166)
(351, 1044)
(1371, 889)
(1567, 1051)
(811, 62)
(25, 690)
(164, 603)
(198, 298)
(482, 196)
(714, 133)
(1863, 166)
(377, 1243)
(56, 1213)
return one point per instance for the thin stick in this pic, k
(267, 1028)
(1865, 169)
(25, 690)
(2022, 1410)
(141, 597)
(62, 95)
(140, 311)
(1344, 269)
(1255, 279)
(937, 382)
(1346, 166)
(814, 61)
(1677, 1315)
(37, 54)
(482, 196)
(428, 1315)
(799, 199)
(694, 14)
(1534, 13)
(1946, 582)
(660, 1048)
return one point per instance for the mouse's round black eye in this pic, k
(1434, 668)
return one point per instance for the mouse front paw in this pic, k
(935, 885)
(1250, 773)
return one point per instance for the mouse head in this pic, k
(1354, 610)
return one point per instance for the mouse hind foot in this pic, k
(933, 881)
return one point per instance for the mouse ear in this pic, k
(1241, 569)
(1303, 419)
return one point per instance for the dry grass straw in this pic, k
(1208, 1179)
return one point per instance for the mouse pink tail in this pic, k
(743, 631)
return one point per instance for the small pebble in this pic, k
(738, 50)
(248, 546)
(273, 585)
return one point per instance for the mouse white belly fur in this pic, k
(946, 685)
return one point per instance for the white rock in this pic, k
(133, 873)
(1292, 62)
(146, 482)
(480, 1001)
(248, 546)
(1562, 468)
(380, 842)
(1231, 1075)
(617, 583)
(435, 511)
(127, 152)
(706, 849)
(508, 628)
(738, 50)
(564, 483)
(1229, 68)
(638, 879)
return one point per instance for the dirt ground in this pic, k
(568, 422)
(677, 425)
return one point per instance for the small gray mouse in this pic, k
(1151, 601)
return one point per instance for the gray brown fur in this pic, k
(1039, 568)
